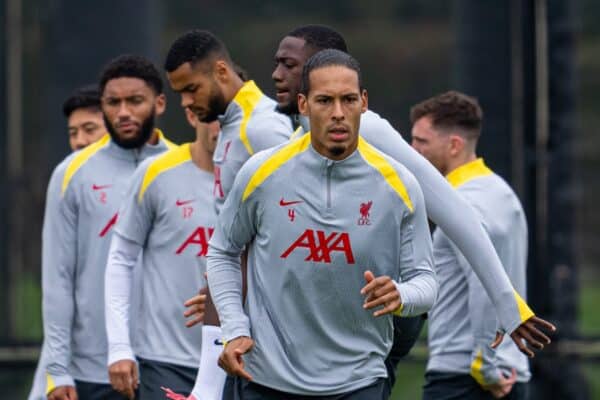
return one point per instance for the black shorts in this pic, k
(246, 390)
(446, 386)
(154, 374)
(97, 391)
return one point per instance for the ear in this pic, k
(160, 104)
(365, 101)
(457, 144)
(303, 104)
(221, 71)
(191, 117)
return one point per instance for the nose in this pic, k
(338, 111)
(79, 141)
(186, 100)
(276, 75)
(123, 111)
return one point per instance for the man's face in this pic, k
(289, 61)
(130, 106)
(85, 127)
(334, 105)
(432, 144)
(199, 90)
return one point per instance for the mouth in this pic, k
(282, 94)
(338, 133)
(127, 127)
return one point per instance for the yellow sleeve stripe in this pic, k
(524, 311)
(247, 98)
(161, 136)
(276, 160)
(398, 312)
(467, 172)
(50, 386)
(476, 367)
(377, 161)
(171, 159)
(81, 158)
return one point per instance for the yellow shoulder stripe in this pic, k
(377, 161)
(524, 311)
(50, 386)
(81, 158)
(276, 160)
(467, 172)
(476, 367)
(296, 133)
(162, 163)
(161, 136)
(247, 98)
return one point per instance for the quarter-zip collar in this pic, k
(141, 153)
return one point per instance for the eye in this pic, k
(112, 101)
(323, 100)
(135, 100)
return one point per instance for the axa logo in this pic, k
(109, 225)
(198, 239)
(365, 216)
(320, 245)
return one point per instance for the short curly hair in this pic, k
(451, 110)
(132, 66)
(195, 46)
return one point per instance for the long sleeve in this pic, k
(464, 228)
(235, 228)
(122, 258)
(418, 286)
(59, 252)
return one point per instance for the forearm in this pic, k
(225, 284)
(122, 258)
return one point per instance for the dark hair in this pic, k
(194, 46)
(320, 37)
(328, 58)
(84, 97)
(130, 66)
(451, 110)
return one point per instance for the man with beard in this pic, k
(200, 69)
(85, 125)
(463, 228)
(322, 285)
(92, 183)
(168, 217)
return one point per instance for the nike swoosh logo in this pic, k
(183, 202)
(283, 203)
(218, 342)
(100, 187)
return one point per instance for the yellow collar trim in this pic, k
(467, 172)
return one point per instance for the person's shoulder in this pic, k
(402, 182)
(157, 166)
(79, 160)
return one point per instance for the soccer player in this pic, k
(167, 216)
(85, 126)
(329, 259)
(77, 238)
(464, 229)
(462, 323)
(200, 68)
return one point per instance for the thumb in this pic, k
(369, 276)
(513, 375)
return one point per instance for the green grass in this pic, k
(589, 298)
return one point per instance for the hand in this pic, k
(529, 332)
(380, 291)
(123, 377)
(231, 358)
(503, 386)
(171, 395)
(195, 308)
(63, 393)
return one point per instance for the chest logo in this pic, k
(365, 213)
(186, 209)
(320, 246)
(199, 238)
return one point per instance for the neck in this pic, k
(460, 160)
(201, 156)
(234, 87)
